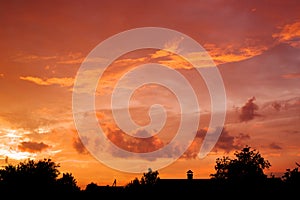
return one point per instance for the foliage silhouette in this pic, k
(67, 183)
(291, 178)
(234, 177)
(147, 182)
(91, 187)
(247, 166)
(33, 176)
(150, 178)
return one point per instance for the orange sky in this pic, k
(255, 46)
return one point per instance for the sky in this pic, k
(45, 46)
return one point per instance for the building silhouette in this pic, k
(189, 174)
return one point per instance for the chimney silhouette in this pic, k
(189, 174)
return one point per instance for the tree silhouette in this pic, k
(291, 176)
(133, 184)
(67, 183)
(92, 187)
(222, 168)
(33, 176)
(247, 166)
(150, 178)
(29, 175)
(234, 177)
(146, 182)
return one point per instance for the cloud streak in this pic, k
(290, 34)
(291, 76)
(234, 53)
(63, 82)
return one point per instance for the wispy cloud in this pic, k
(63, 82)
(70, 58)
(290, 34)
(291, 76)
(231, 53)
(25, 57)
(276, 146)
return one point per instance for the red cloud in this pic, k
(135, 144)
(77, 144)
(33, 147)
(248, 111)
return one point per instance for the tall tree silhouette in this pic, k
(248, 165)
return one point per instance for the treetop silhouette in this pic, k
(248, 165)
(36, 176)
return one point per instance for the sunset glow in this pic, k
(255, 46)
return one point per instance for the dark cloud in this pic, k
(142, 145)
(194, 148)
(275, 146)
(32, 147)
(226, 142)
(135, 144)
(280, 105)
(248, 111)
(201, 133)
(79, 147)
(241, 138)
(276, 106)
